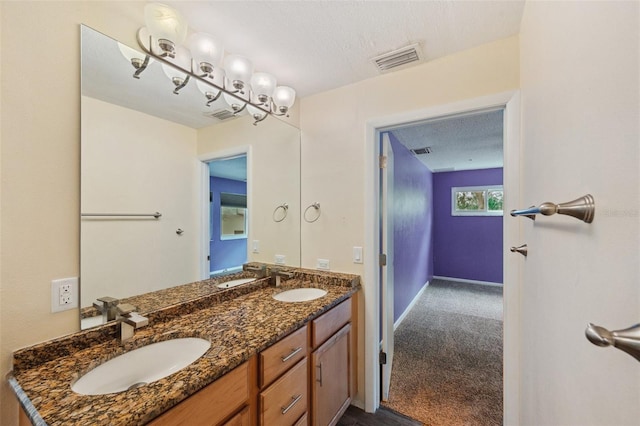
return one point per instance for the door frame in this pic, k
(510, 101)
(205, 206)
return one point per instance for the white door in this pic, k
(386, 211)
(581, 130)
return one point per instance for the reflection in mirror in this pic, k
(145, 150)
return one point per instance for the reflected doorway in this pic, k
(228, 214)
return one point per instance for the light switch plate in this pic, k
(255, 246)
(357, 255)
(64, 294)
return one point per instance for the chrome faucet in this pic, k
(108, 308)
(259, 270)
(130, 321)
(278, 274)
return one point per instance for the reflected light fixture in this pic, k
(210, 92)
(236, 104)
(162, 39)
(133, 56)
(179, 78)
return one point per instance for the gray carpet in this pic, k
(447, 366)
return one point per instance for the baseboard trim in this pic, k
(413, 302)
(462, 280)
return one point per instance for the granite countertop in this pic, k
(238, 326)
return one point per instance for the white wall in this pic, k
(136, 163)
(580, 100)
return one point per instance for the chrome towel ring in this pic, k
(285, 208)
(316, 206)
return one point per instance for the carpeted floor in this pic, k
(447, 366)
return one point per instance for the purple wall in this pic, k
(468, 247)
(413, 226)
(224, 253)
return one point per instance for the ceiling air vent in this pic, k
(222, 114)
(398, 58)
(425, 150)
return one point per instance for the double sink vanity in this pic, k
(234, 356)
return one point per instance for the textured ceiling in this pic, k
(465, 142)
(315, 46)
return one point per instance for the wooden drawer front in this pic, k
(281, 356)
(328, 323)
(285, 401)
(277, 359)
(302, 421)
(213, 404)
(243, 418)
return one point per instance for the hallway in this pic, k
(447, 367)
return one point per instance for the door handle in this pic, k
(523, 250)
(627, 340)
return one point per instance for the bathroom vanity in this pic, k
(270, 362)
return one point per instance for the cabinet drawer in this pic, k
(277, 359)
(328, 323)
(213, 404)
(285, 401)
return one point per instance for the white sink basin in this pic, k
(300, 295)
(234, 283)
(141, 366)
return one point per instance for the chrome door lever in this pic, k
(627, 340)
(523, 250)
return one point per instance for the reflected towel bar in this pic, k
(156, 215)
(582, 208)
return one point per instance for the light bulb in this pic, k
(166, 25)
(207, 51)
(283, 98)
(238, 70)
(263, 85)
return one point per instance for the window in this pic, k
(233, 216)
(477, 200)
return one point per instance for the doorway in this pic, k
(449, 226)
(228, 214)
(510, 102)
(225, 209)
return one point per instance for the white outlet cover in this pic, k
(61, 299)
(280, 259)
(323, 264)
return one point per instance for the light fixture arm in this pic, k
(140, 66)
(180, 86)
(211, 99)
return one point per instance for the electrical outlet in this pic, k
(280, 259)
(64, 294)
(323, 264)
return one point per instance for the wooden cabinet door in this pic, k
(330, 375)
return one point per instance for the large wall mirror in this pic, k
(155, 163)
